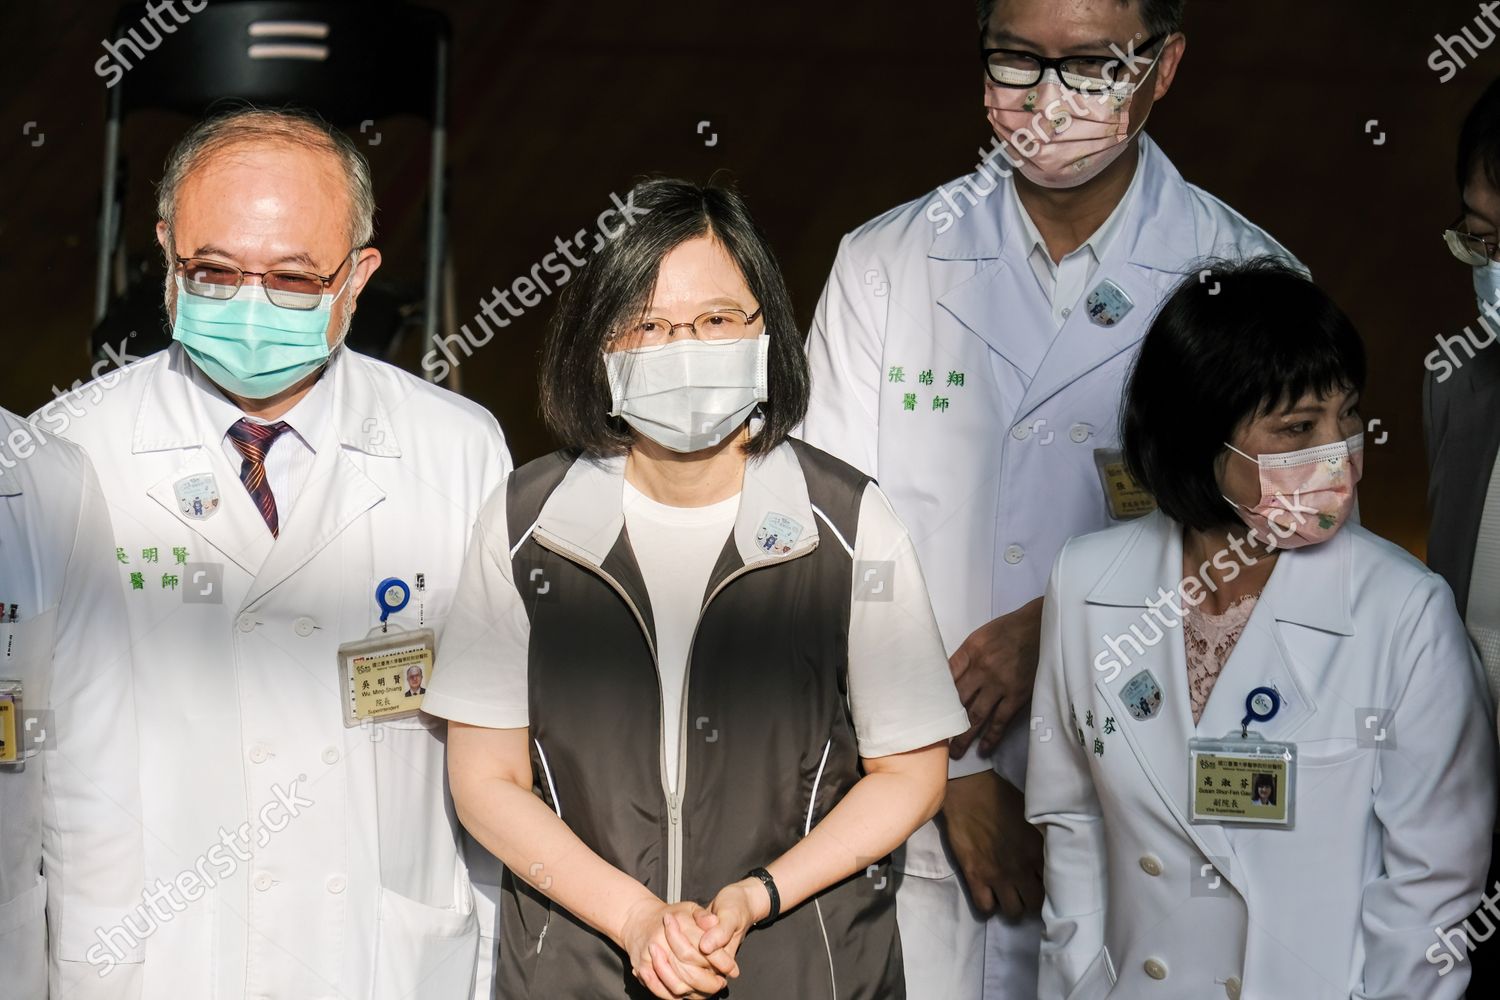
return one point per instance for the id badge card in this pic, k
(1125, 497)
(1244, 780)
(385, 675)
(11, 755)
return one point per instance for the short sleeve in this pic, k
(480, 674)
(901, 692)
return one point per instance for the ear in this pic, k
(1166, 67)
(162, 235)
(365, 265)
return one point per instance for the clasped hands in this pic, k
(683, 949)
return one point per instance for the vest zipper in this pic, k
(674, 799)
(674, 853)
(833, 983)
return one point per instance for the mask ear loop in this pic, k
(1234, 503)
(1242, 454)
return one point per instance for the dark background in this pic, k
(825, 114)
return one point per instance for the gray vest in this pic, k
(768, 750)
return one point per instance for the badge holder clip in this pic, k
(1244, 779)
(384, 675)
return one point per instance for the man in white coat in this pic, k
(969, 351)
(277, 496)
(70, 831)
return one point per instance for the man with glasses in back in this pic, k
(969, 351)
(290, 519)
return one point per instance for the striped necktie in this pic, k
(253, 441)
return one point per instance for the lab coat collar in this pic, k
(177, 413)
(180, 408)
(585, 513)
(1310, 586)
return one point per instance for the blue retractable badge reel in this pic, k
(1261, 705)
(391, 594)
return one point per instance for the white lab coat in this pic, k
(991, 486)
(363, 893)
(1393, 824)
(70, 832)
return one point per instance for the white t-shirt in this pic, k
(676, 548)
(901, 693)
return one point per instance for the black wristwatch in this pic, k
(770, 884)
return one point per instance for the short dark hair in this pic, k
(1161, 17)
(1479, 139)
(1235, 340)
(615, 286)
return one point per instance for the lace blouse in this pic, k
(1210, 639)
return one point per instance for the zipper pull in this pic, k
(672, 807)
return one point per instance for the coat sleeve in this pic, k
(844, 350)
(92, 841)
(1060, 801)
(484, 868)
(1434, 801)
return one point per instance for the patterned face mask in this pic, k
(1305, 496)
(1061, 138)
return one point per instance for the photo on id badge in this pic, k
(383, 676)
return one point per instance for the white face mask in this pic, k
(1487, 287)
(688, 395)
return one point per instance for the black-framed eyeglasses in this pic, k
(717, 326)
(216, 279)
(1087, 74)
(1468, 248)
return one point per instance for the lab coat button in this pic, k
(1156, 968)
(335, 884)
(246, 622)
(1232, 988)
(1079, 433)
(330, 755)
(1067, 311)
(258, 754)
(1020, 432)
(1151, 865)
(1014, 554)
(263, 881)
(303, 627)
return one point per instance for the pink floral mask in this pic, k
(1062, 138)
(1305, 496)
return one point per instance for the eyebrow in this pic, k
(1353, 399)
(300, 257)
(708, 304)
(1011, 39)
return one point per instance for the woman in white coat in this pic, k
(1249, 628)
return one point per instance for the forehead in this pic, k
(699, 274)
(255, 198)
(1062, 26)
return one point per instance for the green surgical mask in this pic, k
(248, 345)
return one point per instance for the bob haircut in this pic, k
(1250, 338)
(615, 286)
